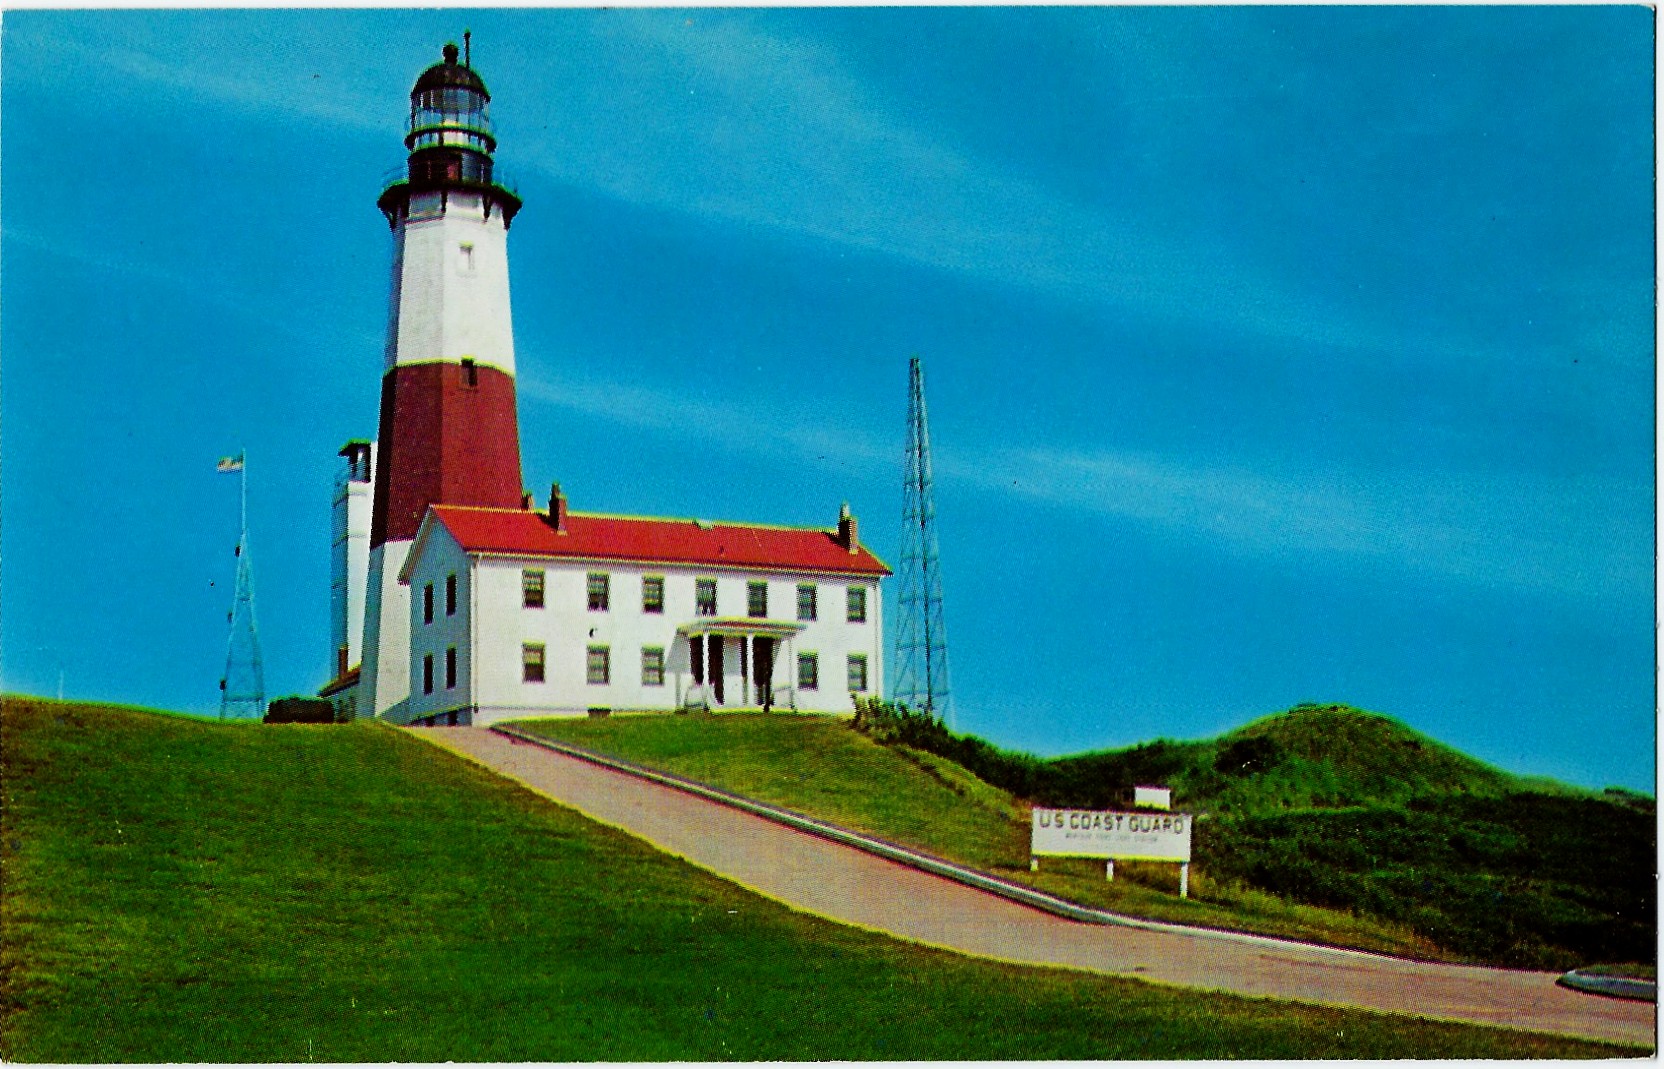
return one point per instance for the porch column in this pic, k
(790, 645)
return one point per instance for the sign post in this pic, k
(1146, 836)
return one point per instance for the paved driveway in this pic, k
(854, 887)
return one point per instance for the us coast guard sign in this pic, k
(1147, 836)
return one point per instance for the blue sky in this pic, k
(1273, 354)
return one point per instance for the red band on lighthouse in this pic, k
(449, 435)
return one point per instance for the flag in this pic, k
(231, 463)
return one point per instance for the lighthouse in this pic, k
(449, 432)
(479, 607)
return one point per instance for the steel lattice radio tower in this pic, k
(922, 637)
(243, 687)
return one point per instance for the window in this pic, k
(805, 601)
(470, 373)
(450, 668)
(427, 674)
(600, 665)
(857, 604)
(808, 671)
(756, 599)
(450, 595)
(704, 597)
(531, 663)
(652, 666)
(531, 588)
(652, 593)
(427, 604)
(858, 672)
(597, 591)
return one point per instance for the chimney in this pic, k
(846, 530)
(525, 501)
(557, 508)
(340, 661)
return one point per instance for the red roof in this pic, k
(528, 533)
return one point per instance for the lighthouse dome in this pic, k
(450, 138)
(450, 75)
(449, 107)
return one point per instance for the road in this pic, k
(853, 887)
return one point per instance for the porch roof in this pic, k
(740, 627)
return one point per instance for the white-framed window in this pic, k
(652, 593)
(652, 666)
(756, 599)
(805, 601)
(531, 662)
(808, 671)
(599, 595)
(531, 588)
(858, 673)
(857, 604)
(598, 668)
(704, 597)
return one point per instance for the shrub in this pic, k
(297, 710)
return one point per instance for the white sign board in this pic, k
(1152, 797)
(1129, 836)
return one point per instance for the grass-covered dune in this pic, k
(1329, 824)
(181, 891)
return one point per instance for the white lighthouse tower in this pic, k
(449, 430)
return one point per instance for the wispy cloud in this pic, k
(755, 129)
(679, 415)
(203, 60)
(714, 115)
(1527, 534)
(1519, 533)
(200, 287)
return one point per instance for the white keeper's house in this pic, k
(455, 602)
(516, 613)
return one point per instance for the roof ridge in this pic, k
(587, 514)
(699, 520)
(481, 508)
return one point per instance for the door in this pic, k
(713, 666)
(762, 661)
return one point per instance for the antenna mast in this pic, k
(243, 687)
(922, 638)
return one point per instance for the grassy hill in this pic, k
(1308, 757)
(181, 891)
(1330, 824)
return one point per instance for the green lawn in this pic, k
(820, 766)
(179, 891)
